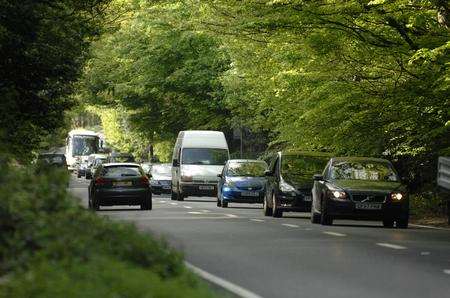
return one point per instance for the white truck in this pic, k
(198, 157)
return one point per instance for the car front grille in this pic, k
(250, 187)
(370, 198)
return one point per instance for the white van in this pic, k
(198, 157)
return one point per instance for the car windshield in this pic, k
(204, 156)
(120, 171)
(85, 145)
(246, 169)
(363, 170)
(162, 170)
(302, 166)
(52, 158)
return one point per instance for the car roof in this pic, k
(246, 160)
(357, 158)
(123, 164)
(306, 153)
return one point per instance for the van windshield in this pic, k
(204, 156)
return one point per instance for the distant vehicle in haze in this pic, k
(360, 188)
(290, 181)
(161, 178)
(94, 160)
(198, 157)
(242, 181)
(57, 160)
(120, 184)
(80, 143)
(116, 157)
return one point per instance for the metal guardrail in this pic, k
(443, 178)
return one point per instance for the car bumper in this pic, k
(236, 196)
(348, 210)
(135, 196)
(296, 203)
(200, 190)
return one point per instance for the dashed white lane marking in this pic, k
(195, 212)
(187, 207)
(447, 271)
(257, 220)
(425, 253)
(289, 225)
(206, 211)
(231, 287)
(334, 234)
(163, 201)
(231, 215)
(174, 204)
(308, 229)
(389, 245)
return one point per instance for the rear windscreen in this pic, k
(121, 171)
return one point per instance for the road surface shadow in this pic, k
(244, 207)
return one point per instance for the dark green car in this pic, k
(360, 188)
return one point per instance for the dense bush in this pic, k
(50, 246)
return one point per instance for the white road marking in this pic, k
(425, 253)
(389, 245)
(187, 207)
(308, 229)
(334, 234)
(231, 287)
(429, 227)
(289, 225)
(195, 212)
(447, 271)
(163, 201)
(231, 215)
(257, 220)
(204, 210)
(174, 204)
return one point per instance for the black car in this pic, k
(360, 188)
(120, 184)
(290, 181)
(161, 178)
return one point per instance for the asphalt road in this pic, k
(290, 257)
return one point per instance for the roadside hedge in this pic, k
(51, 247)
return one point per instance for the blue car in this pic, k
(242, 181)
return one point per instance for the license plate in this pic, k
(368, 206)
(250, 194)
(166, 187)
(206, 187)
(307, 198)
(123, 183)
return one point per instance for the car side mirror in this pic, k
(175, 163)
(268, 173)
(318, 177)
(219, 175)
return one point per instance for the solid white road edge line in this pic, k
(231, 287)
(334, 234)
(289, 225)
(393, 246)
(429, 227)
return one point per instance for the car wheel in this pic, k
(388, 223)
(78, 175)
(315, 217)
(95, 205)
(219, 202)
(147, 204)
(276, 212)
(267, 210)
(325, 218)
(402, 223)
(173, 196)
(180, 196)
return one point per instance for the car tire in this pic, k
(266, 209)
(180, 196)
(276, 212)
(95, 205)
(224, 204)
(78, 175)
(315, 217)
(388, 223)
(402, 223)
(325, 218)
(219, 202)
(147, 204)
(173, 196)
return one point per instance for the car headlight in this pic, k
(397, 196)
(230, 184)
(337, 194)
(286, 187)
